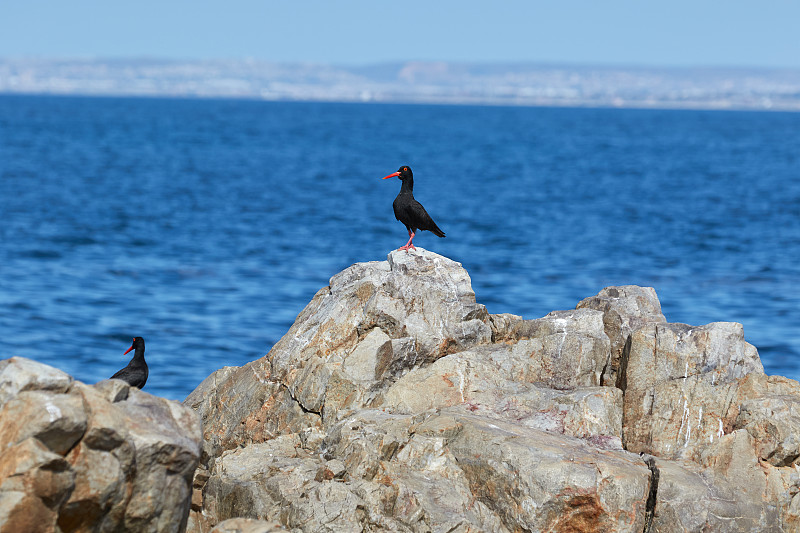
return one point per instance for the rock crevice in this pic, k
(652, 495)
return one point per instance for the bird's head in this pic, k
(137, 342)
(403, 173)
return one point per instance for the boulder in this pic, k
(625, 309)
(539, 481)
(18, 374)
(396, 403)
(680, 383)
(450, 470)
(768, 407)
(374, 322)
(499, 382)
(691, 500)
(34, 483)
(58, 422)
(564, 349)
(730, 489)
(106, 457)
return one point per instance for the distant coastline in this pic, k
(520, 84)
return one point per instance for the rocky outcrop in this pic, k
(75, 457)
(680, 385)
(371, 325)
(396, 402)
(625, 309)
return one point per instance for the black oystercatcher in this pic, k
(136, 371)
(409, 211)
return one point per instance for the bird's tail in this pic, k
(436, 231)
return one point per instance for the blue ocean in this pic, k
(205, 226)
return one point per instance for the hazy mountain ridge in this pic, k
(421, 82)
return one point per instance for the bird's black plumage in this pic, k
(409, 211)
(136, 372)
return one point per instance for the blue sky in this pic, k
(644, 32)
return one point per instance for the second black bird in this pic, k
(136, 371)
(409, 211)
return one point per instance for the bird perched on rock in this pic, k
(135, 374)
(409, 211)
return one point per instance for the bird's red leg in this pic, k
(409, 244)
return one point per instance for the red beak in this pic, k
(393, 174)
(128, 350)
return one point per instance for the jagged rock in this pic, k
(625, 309)
(733, 461)
(396, 403)
(496, 381)
(374, 322)
(694, 499)
(535, 480)
(18, 374)
(564, 350)
(768, 407)
(34, 483)
(503, 325)
(680, 382)
(58, 424)
(244, 405)
(440, 472)
(700, 394)
(91, 458)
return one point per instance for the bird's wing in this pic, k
(423, 219)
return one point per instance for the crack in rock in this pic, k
(650, 506)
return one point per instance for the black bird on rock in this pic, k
(409, 211)
(136, 371)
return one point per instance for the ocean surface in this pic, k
(205, 226)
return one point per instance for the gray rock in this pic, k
(18, 374)
(503, 326)
(768, 407)
(240, 405)
(625, 309)
(436, 472)
(364, 362)
(573, 321)
(680, 383)
(565, 349)
(104, 458)
(166, 439)
(58, 421)
(34, 483)
(693, 499)
(538, 481)
(396, 403)
(372, 324)
(499, 382)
